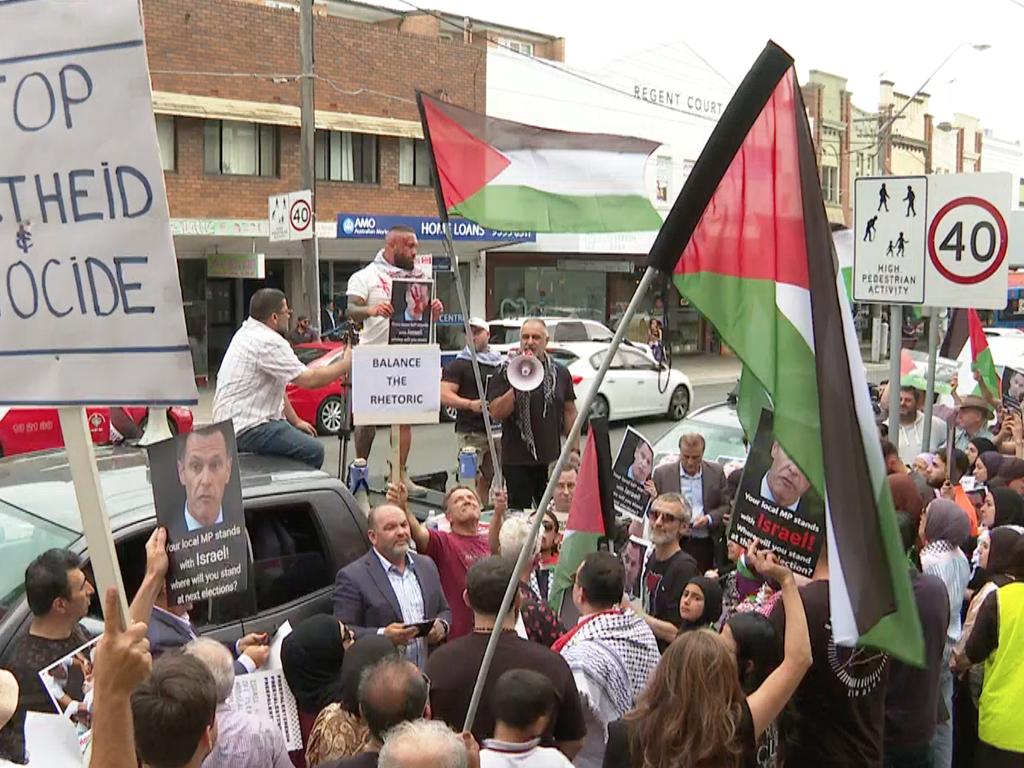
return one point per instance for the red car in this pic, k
(320, 407)
(23, 430)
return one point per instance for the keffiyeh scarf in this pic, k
(523, 410)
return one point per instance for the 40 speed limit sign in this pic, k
(968, 240)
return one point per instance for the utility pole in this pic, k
(310, 248)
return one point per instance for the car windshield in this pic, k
(307, 355)
(722, 433)
(23, 537)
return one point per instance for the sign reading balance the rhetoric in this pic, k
(937, 241)
(396, 384)
(90, 306)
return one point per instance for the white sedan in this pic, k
(633, 386)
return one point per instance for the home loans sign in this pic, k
(90, 306)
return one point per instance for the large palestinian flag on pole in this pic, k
(515, 177)
(749, 244)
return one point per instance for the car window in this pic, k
(570, 331)
(23, 537)
(618, 363)
(504, 334)
(288, 557)
(598, 332)
(563, 357)
(636, 360)
(307, 355)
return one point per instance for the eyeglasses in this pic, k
(654, 514)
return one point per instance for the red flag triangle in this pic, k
(585, 513)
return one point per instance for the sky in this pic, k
(900, 40)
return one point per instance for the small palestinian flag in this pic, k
(514, 177)
(981, 358)
(749, 244)
(591, 515)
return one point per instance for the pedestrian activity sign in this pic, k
(937, 241)
(291, 216)
(889, 239)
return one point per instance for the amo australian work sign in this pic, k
(364, 226)
(90, 306)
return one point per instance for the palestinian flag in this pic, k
(956, 335)
(514, 177)
(749, 244)
(981, 358)
(591, 516)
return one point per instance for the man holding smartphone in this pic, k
(392, 592)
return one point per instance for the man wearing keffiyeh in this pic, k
(533, 422)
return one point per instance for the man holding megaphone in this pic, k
(534, 399)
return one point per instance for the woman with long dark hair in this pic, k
(758, 651)
(694, 712)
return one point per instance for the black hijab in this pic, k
(312, 657)
(1002, 543)
(364, 653)
(1009, 507)
(712, 603)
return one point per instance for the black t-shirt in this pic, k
(27, 656)
(460, 373)
(619, 748)
(453, 668)
(837, 715)
(547, 428)
(664, 582)
(913, 695)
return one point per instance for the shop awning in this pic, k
(214, 108)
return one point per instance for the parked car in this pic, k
(23, 430)
(635, 384)
(302, 527)
(505, 332)
(720, 426)
(321, 407)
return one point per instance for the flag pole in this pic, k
(583, 410)
(442, 212)
(929, 395)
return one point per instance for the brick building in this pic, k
(226, 98)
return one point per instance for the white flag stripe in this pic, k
(576, 172)
(794, 303)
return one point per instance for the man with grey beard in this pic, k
(667, 568)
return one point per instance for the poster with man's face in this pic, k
(198, 495)
(776, 504)
(1013, 388)
(632, 468)
(411, 321)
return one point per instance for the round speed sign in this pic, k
(967, 240)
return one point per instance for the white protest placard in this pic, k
(968, 240)
(890, 221)
(266, 693)
(90, 305)
(396, 384)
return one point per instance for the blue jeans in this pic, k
(279, 438)
(942, 742)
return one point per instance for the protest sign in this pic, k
(1013, 388)
(90, 305)
(198, 497)
(411, 321)
(267, 693)
(632, 468)
(68, 682)
(396, 384)
(776, 504)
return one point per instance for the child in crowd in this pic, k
(523, 702)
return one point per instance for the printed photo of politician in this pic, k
(783, 484)
(196, 485)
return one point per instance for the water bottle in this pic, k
(358, 474)
(467, 466)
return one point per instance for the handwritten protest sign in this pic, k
(632, 469)
(776, 504)
(396, 384)
(90, 305)
(198, 495)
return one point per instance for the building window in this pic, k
(518, 46)
(344, 156)
(445, 37)
(413, 163)
(165, 140)
(663, 181)
(830, 184)
(234, 148)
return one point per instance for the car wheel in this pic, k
(329, 416)
(679, 405)
(448, 413)
(599, 409)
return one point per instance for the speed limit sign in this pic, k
(968, 240)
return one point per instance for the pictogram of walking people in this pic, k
(883, 199)
(909, 200)
(870, 229)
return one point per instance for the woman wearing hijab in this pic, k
(339, 731)
(987, 466)
(1009, 507)
(977, 446)
(906, 496)
(311, 658)
(995, 552)
(943, 531)
(700, 607)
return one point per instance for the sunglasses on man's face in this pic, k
(654, 514)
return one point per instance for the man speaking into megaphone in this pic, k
(534, 399)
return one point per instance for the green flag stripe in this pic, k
(575, 547)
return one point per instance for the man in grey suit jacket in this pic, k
(702, 483)
(389, 589)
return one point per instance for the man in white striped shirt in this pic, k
(251, 384)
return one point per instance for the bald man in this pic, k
(534, 422)
(369, 304)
